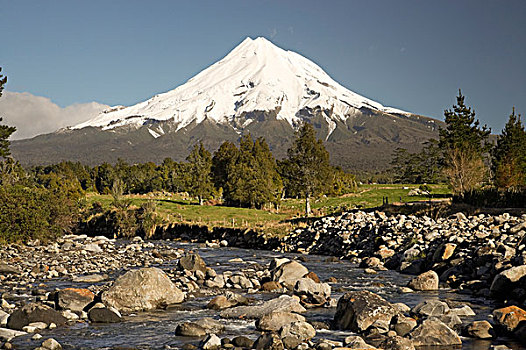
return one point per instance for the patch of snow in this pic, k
(256, 75)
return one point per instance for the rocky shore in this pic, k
(468, 253)
(96, 280)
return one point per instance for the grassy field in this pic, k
(178, 208)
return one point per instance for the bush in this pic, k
(492, 197)
(29, 213)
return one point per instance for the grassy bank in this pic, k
(178, 208)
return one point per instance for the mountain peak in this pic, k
(255, 76)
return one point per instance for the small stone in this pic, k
(104, 315)
(243, 342)
(430, 307)
(397, 343)
(356, 342)
(190, 329)
(404, 325)
(51, 344)
(269, 341)
(211, 342)
(426, 281)
(271, 286)
(480, 330)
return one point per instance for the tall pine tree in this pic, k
(509, 155)
(464, 144)
(307, 167)
(5, 131)
(201, 185)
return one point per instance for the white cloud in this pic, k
(273, 33)
(34, 115)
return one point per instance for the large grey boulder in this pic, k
(508, 280)
(426, 281)
(433, 332)
(144, 289)
(311, 292)
(357, 311)
(34, 312)
(289, 273)
(284, 303)
(275, 320)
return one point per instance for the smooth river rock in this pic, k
(425, 282)
(289, 273)
(284, 303)
(144, 289)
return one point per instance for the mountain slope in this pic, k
(257, 88)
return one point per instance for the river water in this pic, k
(155, 330)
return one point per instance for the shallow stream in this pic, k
(155, 330)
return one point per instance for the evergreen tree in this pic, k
(307, 166)
(509, 154)
(269, 180)
(5, 131)
(464, 144)
(420, 167)
(249, 175)
(222, 161)
(200, 173)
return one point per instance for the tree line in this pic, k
(247, 175)
(466, 156)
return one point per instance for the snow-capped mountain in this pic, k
(258, 88)
(256, 75)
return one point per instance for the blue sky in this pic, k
(413, 55)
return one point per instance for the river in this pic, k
(155, 330)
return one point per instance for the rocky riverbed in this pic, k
(95, 292)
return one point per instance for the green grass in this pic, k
(178, 208)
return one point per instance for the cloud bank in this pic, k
(34, 115)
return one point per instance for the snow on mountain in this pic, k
(256, 75)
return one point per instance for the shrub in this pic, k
(28, 213)
(492, 197)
